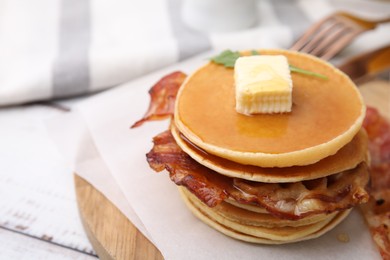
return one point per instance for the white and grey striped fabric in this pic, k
(61, 48)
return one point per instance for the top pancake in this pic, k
(326, 114)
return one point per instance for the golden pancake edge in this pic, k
(259, 235)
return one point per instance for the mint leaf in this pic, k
(227, 58)
(307, 72)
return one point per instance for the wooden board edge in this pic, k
(111, 234)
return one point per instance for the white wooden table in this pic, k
(38, 211)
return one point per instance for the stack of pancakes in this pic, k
(268, 178)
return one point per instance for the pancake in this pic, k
(259, 235)
(248, 207)
(248, 217)
(315, 128)
(348, 157)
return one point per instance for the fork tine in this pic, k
(309, 33)
(317, 38)
(340, 44)
(331, 34)
(330, 40)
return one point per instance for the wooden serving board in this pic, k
(113, 236)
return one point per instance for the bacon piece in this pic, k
(377, 210)
(378, 130)
(300, 199)
(166, 154)
(289, 201)
(162, 98)
(377, 215)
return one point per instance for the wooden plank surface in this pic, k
(37, 197)
(112, 234)
(19, 246)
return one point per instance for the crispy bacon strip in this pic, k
(324, 195)
(377, 211)
(378, 130)
(166, 154)
(162, 98)
(289, 201)
(377, 215)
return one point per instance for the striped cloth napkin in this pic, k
(53, 49)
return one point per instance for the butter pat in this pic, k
(263, 84)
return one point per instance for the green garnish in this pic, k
(307, 72)
(228, 58)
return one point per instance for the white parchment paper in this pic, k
(112, 157)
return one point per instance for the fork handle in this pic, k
(384, 20)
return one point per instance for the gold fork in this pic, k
(330, 35)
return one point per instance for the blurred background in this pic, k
(61, 48)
